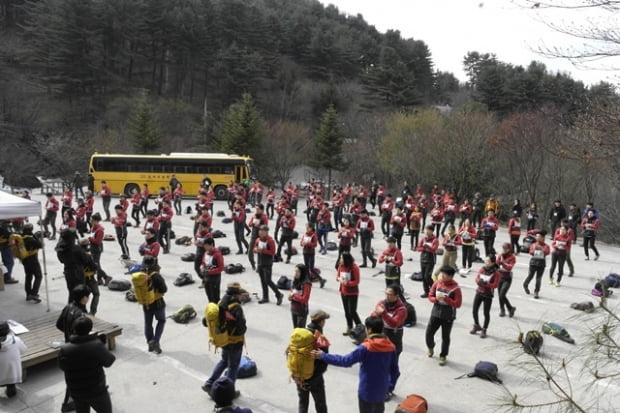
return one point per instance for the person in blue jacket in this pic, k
(378, 366)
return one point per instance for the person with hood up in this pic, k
(11, 350)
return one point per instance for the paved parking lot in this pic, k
(143, 382)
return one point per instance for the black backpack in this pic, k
(358, 334)
(225, 250)
(485, 370)
(184, 279)
(234, 268)
(189, 257)
(532, 342)
(412, 318)
(218, 234)
(220, 213)
(119, 285)
(284, 283)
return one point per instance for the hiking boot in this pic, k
(239, 252)
(374, 263)
(156, 348)
(11, 390)
(557, 283)
(511, 312)
(263, 301)
(35, 298)
(483, 333)
(550, 281)
(253, 267)
(430, 352)
(502, 313)
(536, 295)
(322, 282)
(11, 281)
(475, 329)
(570, 274)
(151, 345)
(346, 332)
(442, 360)
(587, 258)
(279, 299)
(527, 290)
(596, 258)
(106, 280)
(288, 261)
(206, 388)
(425, 295)
(363, 265)
(67, 407)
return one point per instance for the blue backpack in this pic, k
(247, 368)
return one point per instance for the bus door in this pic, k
(240, 174)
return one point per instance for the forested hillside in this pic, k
(75, 75)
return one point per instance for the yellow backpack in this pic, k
(298, 358)
(140, 281)
(218, 334)
(18, 247)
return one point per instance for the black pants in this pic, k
(588, 242)
(164, 235)
(178, 208)
(299, 319)
(559, 260)
(385, 223)
(396, 337)
(288, 240)
(34, 275)
(91, 282)
(514, 241)
(198, 260)
(144, 206)
(446, 222)
(96, 250)
(240, 237)
(504, 285)
(212, 287)
(538, 272)
(121, 237)
(468, 252)
(366, 247)
(368, 407)
(486, 302)
(106, 206)
(264, 272)
(426, 268)
(315, 386)
(251, 250)
(431, 328)
(135, 215)
(414, 235)
(437, 229)
(100, 403)
(476, 219)
(399, 239)
(50, 219)
(349, 303)
(488, 245)
(269, 211)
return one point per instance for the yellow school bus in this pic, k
(124, 173)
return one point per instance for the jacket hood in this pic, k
(379, 343)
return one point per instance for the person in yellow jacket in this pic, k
(492, 204)
(157, 308)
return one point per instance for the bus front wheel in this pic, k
(221, 192)
(129, 189)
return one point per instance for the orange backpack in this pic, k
(413, 403)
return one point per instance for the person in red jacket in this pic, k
(323, 220)
(398, 221)
(346, 235)
(265, 247)
(67, 200)
(386, 208)
(51, 211)
(505, 261)
(514, 231)
(89, 201)
(238, 220)
(165, 225)
(255, 222)
(415, 223)
(287, 224)
(145, 194)
(122, 200)
(446, 296)
(539, 251)
(348, 279)
(393, 312)
(487, 280)
(467, 232)
(590, 225)
(299, 296)
(106, 197)
(393, 259)
(120, 226)
(96, 247)
(427, 247)
(80, 217)
(561, 245)
(136, 205)
(211, 270)
(150, 246)
(436, 218)
(489, 226)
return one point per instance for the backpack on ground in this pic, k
(224, 250)
(234, 268)
(247, 368)
(292, 252)
(183, 279)
(18, 247)
(413, 403)
(331, 246)
(532, 342)
(119, 285)
(284, 283)
(218, 334)
(601, 289)
(226, 220)
(189, 257)
(143, 294)
(417, 276)
(358, 334)
(220, 213)
(613, 280)
(586, 306)
(130, 296)
(184, 240)
(188, 210)
(557, 331)
(298, 358)
(172, 234)
(485, 370)
(218, 234)
(184, 314)
(412, 318)
(315, 274)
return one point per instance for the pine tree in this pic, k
(143, 127)
(243, 130)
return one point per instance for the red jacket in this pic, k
(490, 223)
(125, 204)
(451, 290)
(165, 214)
(514, 226)
(324, 216)
(150, 249)
(428, 244)
(387, 206)
(399, 220)
(348, 279)
(258, 221)
(52, 204)
(487, 281)
(365, 224)
(436, 215)
(468, 235)
(154, 224)
(238, 216)
(212, 262)
(300, 298)
(119, 219)
(506, 262)
(539, 251)
(105, 190)
(136, 200)
(67, 198)
(90, 204)
(561, 243)
(392, 256)
(450, 242)
(96, 234)
(394, 315)
(346, 235)
(590, 225)
(308, 241)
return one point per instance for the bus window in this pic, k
(239, 175)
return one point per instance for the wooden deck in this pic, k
(43, 332)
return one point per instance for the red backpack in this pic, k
(413, 403)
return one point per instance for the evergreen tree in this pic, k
(143, 127)
(328, 143)
(243, 130)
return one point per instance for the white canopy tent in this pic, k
(12, 206)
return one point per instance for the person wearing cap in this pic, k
(365, 227)
(556, 215)
(265, 248)
(487, 280)
(393, 259)
(157, 308)
(32, 267)
(11, 350)
(427, 247)
(505, 261)
(223, 393)
(378, 370)
(315, 385)
(82, 359)
(211, 269)
(71, 312)
(539, 251)
(299, 296)
(447, 297)
(96, 247)
(232, 318)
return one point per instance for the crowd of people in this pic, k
(437, 224)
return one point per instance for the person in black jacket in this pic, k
(83, 360)
(156, 309)
(315, 385)
(74, 259)
(32, 267)
(72, 311)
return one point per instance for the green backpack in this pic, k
(184, 314)
(557, 331)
